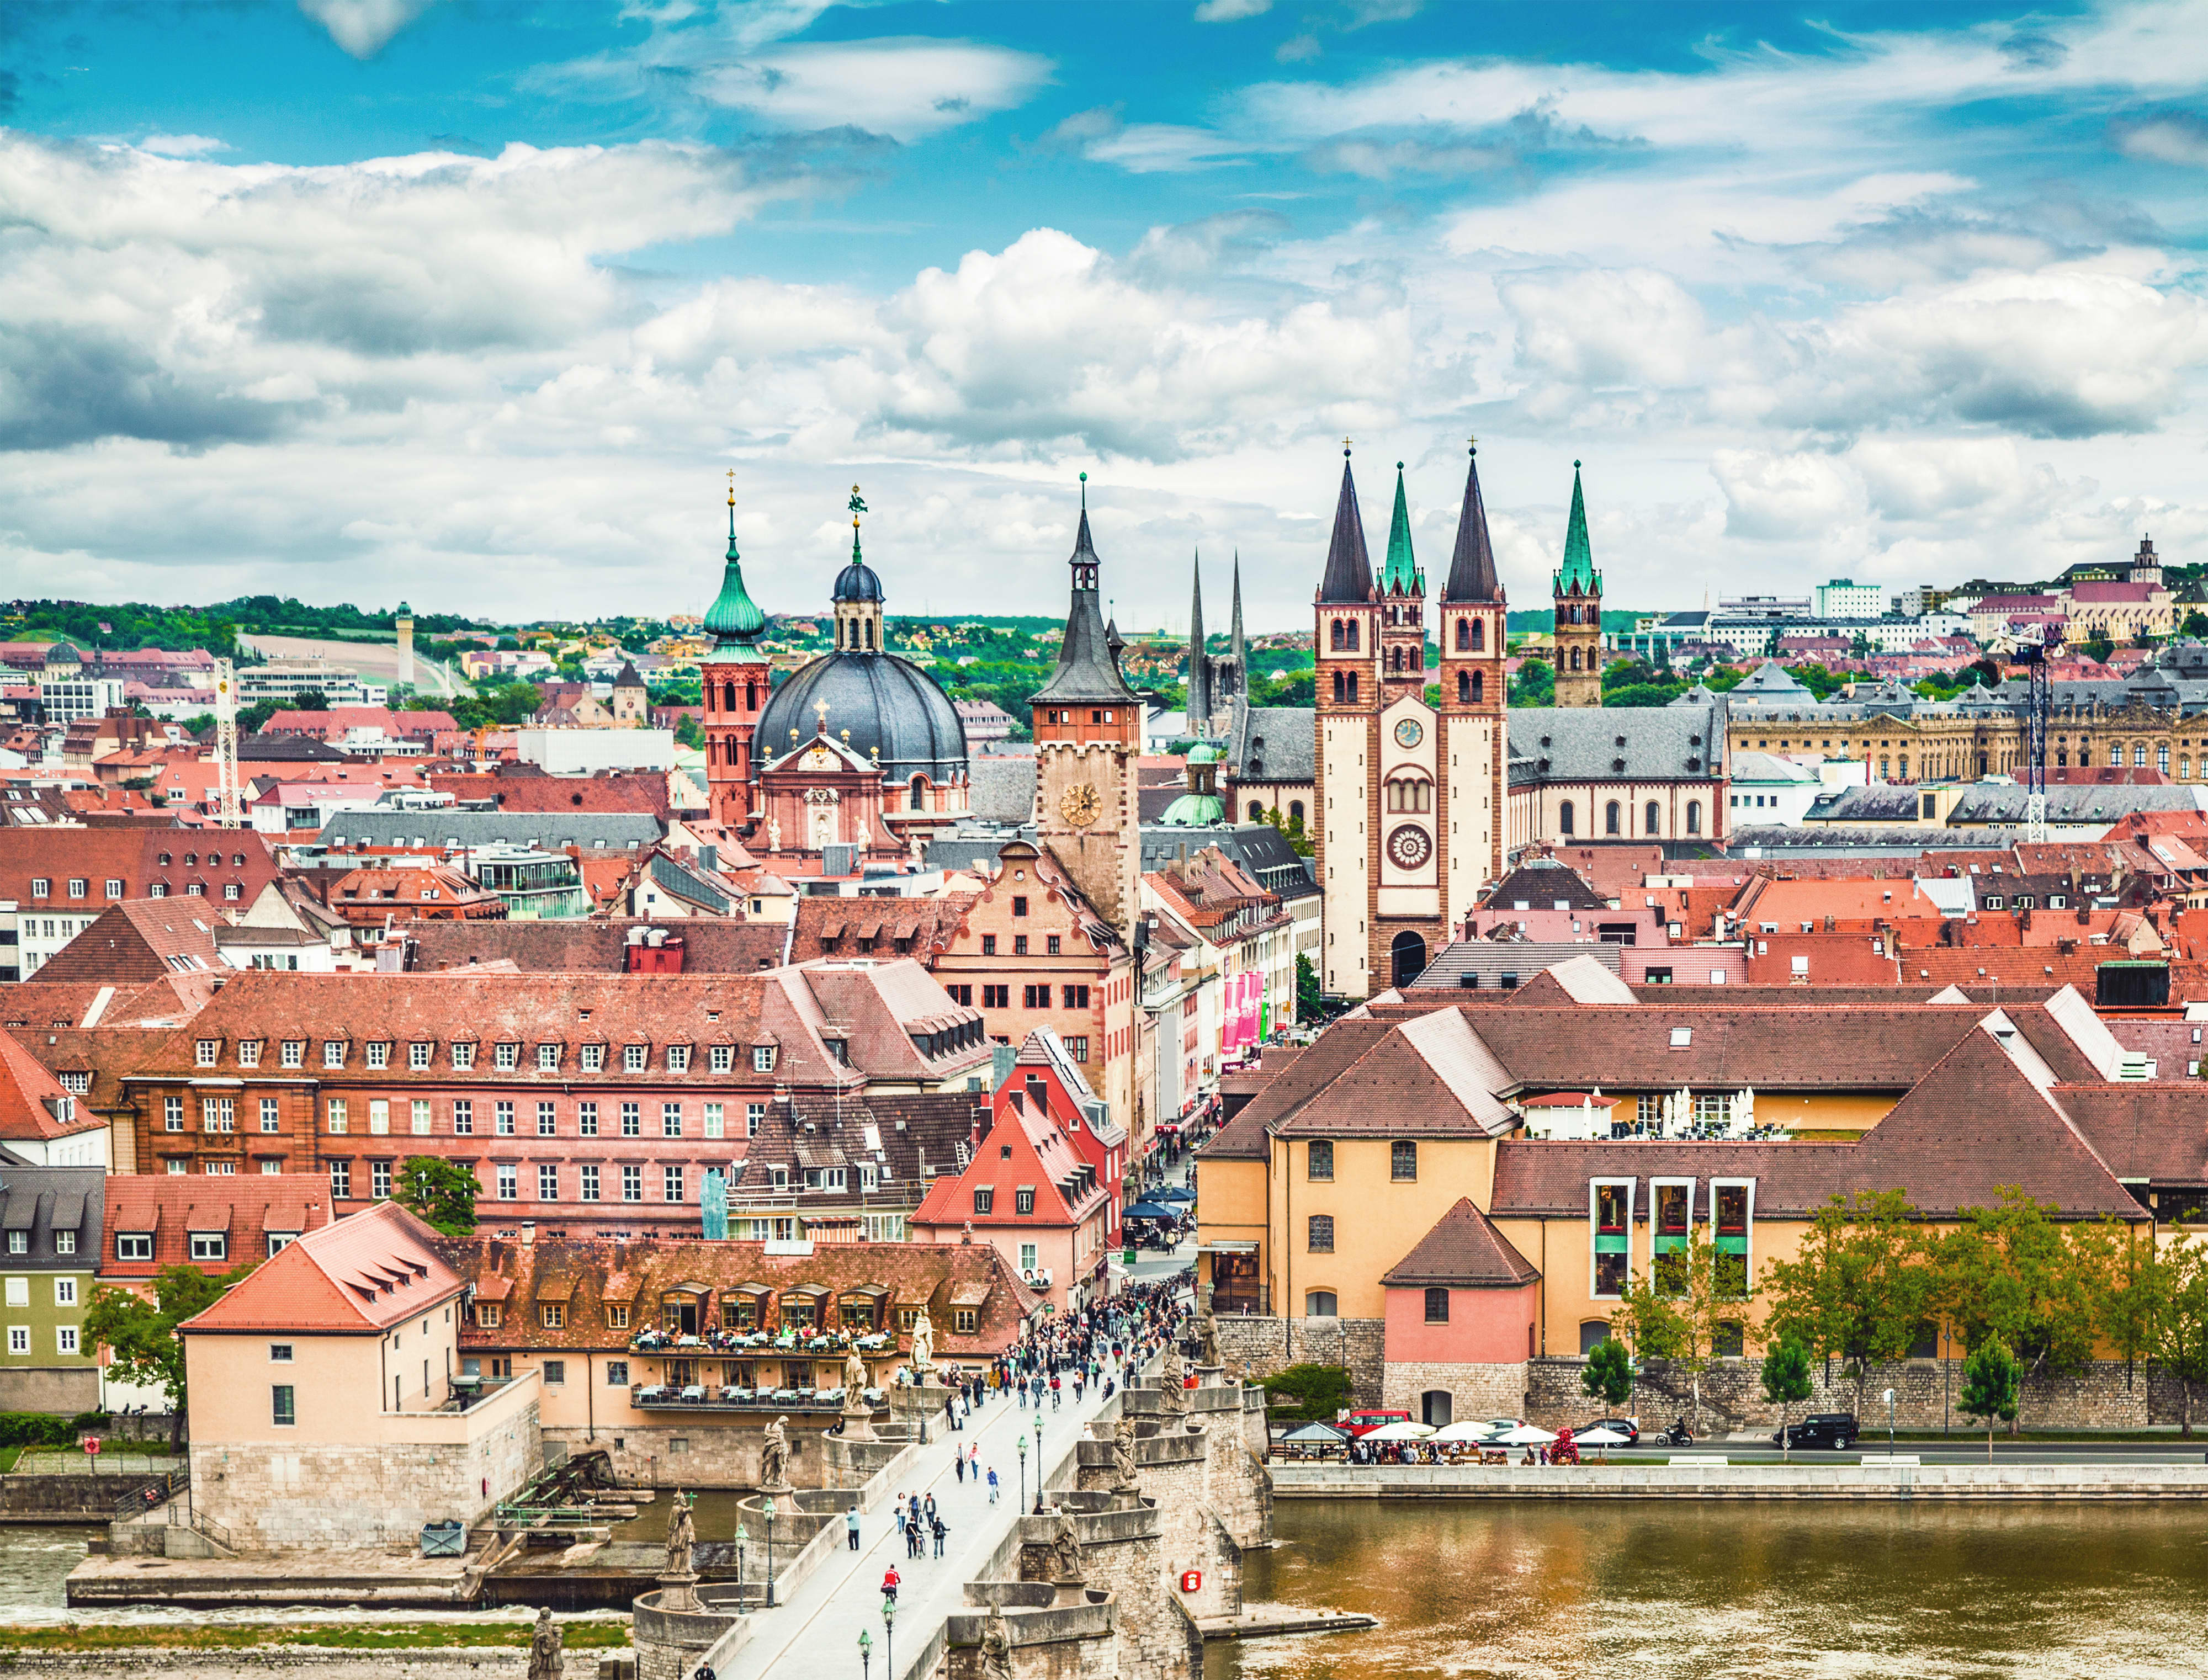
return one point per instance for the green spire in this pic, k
(1401, 571)
(733, 617)
(1579, 557)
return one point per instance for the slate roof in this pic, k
(1543, 883)
(2155, 1131)
(1464, 1250)
(1087, 669)
(1001, 790)
(1259, 849)
(1271, 743)
(1492, 961)
(1605, 744)
(1348, 575)
(42, 1200)
(1472, 573)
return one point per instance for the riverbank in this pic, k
(1714, 1478)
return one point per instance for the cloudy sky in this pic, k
(478, 301)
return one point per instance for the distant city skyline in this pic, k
(477, 303)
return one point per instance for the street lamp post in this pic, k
(769, 1551)
(1022, 1440)
(889, 1637)
(866, 1652)
(741, 1539)
(1038, 1434)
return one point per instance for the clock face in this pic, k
(1079, 805)
(1409, 732)
(1409, 847)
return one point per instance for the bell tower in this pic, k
(733, 678)
(1403, 608)
(1346, 640)
(1473, 617)
(1088, 727)
(1578, 589)
(858, 598)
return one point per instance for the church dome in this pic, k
(894, 710)
(1195, 810)
(857, 581)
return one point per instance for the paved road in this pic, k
(817, 1631)
(1959, 1450)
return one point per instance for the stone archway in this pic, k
(1408, 958)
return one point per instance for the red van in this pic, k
(1363, 1423)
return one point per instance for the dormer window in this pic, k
(594, 1057)
(294, 1052)
(634, 1056)
(506, 1057)
(548, 1057)
(464, 1058)
(762, 1058)
(333, 1053)
(420, 1053)
(678, 1059)
(207, 1052)
(379, 1054)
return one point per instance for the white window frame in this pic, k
(1632, 1191)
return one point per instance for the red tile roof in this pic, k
(137, 940)
(356, 1277)
(1466, 1250)
(249, 1207)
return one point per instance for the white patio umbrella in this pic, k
(1601, 1438)
(1401, 1431)
(1526, 1435)
(1467, 1431)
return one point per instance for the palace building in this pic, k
(1411, 795)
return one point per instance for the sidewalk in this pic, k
(817, 1631)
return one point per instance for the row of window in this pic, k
(985, 1200)
(1402, 1161)
(204, 1244)
(1614, 818)
(19, 1242)
(43, 888)
(19, 1292)
(66, 1340)
(420, 1055)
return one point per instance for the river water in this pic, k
(1682, 1590)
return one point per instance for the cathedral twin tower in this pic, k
(1411, 797)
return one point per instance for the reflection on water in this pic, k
(1749, 1592)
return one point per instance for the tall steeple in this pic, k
(1578, 570)
(1087, 673)
(1400, 574)
(733, 620)
(1236, 649)
(1472, 574)
(857, 601)
(1199, 660)
(1348, 575)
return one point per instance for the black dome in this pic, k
(857, 582)
(892, 708)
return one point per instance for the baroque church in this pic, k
(858, 748)
(1411, 797)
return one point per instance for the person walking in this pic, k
(927, 1509)
(851, 1524)
(896, 1507)
(958, 1465)
(1053, 1392)
(992, 1484)
(941, 1529)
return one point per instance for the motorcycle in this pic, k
(1677, 1435)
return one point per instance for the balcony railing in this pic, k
(709, 1397)
(761, 1344)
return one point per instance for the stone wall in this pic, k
(1255, 1347)
(64, 1390)
(279, 1499)
(2106, 1394)
(1120, 1549)
(1474, 1390)
(669, 1643)
(710, 1452)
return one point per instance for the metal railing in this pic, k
(151, 1491)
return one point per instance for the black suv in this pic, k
(1835, 1430)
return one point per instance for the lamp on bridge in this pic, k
(741, 1537)
(866, 1652)
(1038, 1506)
(1022, 1440)
(889, 1636)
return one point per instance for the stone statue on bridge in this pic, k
(774, 1457)
(854, 1377)
(996, 1647)
(681, 1535)
(544, 1642)
(1207, 1336)
(1065, 1565)
(923, 1347)
(1172, 1397)
(1123, 1480)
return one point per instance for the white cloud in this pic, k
(1779, 496)
(2177, 137)
(904, 88)
(1230, 11)
(180, 146)
(364, 27)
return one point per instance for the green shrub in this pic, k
(1308, 1393)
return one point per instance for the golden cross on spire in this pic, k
(732, 487)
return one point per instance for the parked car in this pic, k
(1624, 1426)
(1835, 1430)
(1363, 1423)
(1500, 1427)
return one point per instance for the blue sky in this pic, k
(478, 301)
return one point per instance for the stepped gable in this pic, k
(1466, 1250)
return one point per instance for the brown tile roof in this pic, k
(1247, 1136)
(919, 927)
(32, 1102)
(249, 1206)
(2155, 1131)
(1465, 1249)
(1430, 1076)
(597, 1270)
(137, 941)
(132, 855)
(358, 1276)
(709, 945)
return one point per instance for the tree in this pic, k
(1308, 1393)
(142, 1334)
(443, 1192)
(2118, 1269)
(1681, 1311)
(1787, 1382)
(1535, 685)
(310, 699)
(1608, 1374)
(1311, 1004)
(2196, 624)
(689, 732)
(1992, 1380)
(1858, 1287)
(2008, 1272)
(2177, 1328)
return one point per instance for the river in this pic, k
(1684, 1590)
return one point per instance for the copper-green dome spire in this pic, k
(733, 617)
(1401, 571)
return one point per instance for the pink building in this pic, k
(1460, 1328)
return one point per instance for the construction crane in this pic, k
(2039, 706)
(225, 742)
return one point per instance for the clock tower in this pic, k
(1088, 726)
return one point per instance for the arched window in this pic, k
(1353, 675)
(1410, 792)
(1881, 770)
(1318, 1303)
(1478, 688)
(1694, 816)
(1611, 816)
(1295, 810)
(2063, 759)
(1575, 659)
(2115, 756)
(1352, 635)
(1652, 818)
(1478, 636)
(1464, 635)
(919, 793)
(2184, 768)
(1334, 639)
(1464, 688)
(1564, 817)
(1256, 811)
(870, 635)
(1341, 687)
